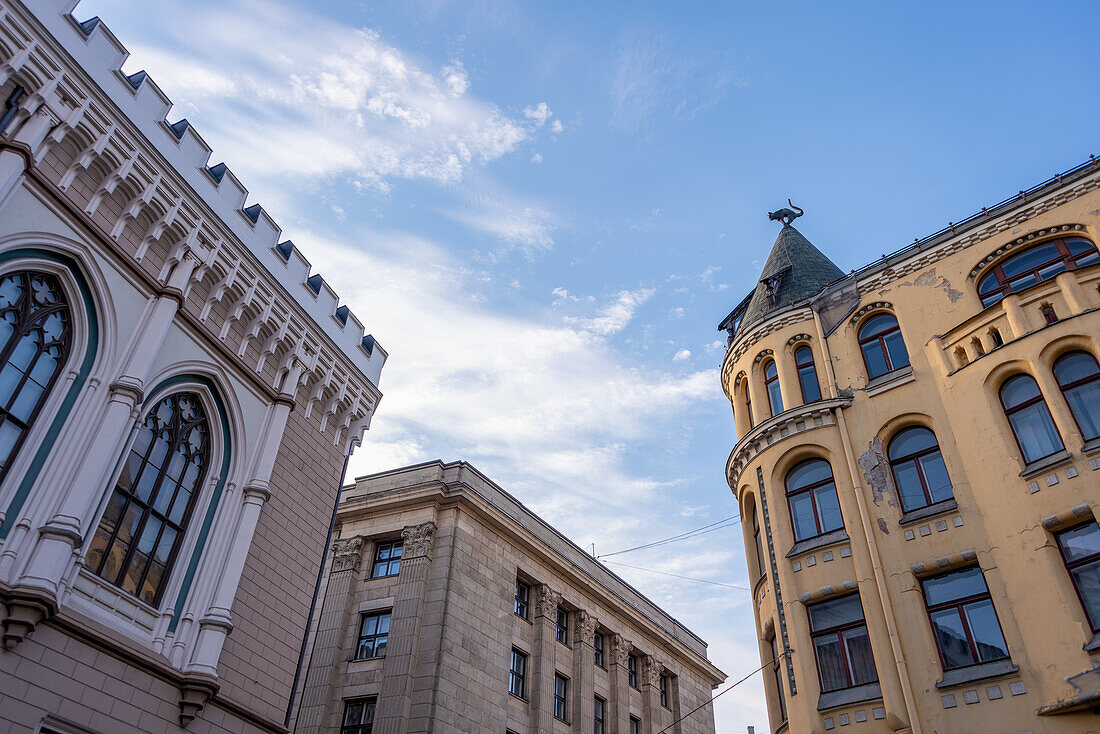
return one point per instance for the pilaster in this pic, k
(542, 669)
(651, 695)
(583, 668)
(619, 703)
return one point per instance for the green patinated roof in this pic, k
(803, 271)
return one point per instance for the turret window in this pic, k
(882, 346)
(807, 374)
(841, 644)
(1079, 377)
(919, 472)
(1035, 265)
(811, 495)
(963, 619)
(1030, 418)
(771, 385)
(760, 564)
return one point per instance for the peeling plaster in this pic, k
(882, 526)
(876, 472)
(929, 280)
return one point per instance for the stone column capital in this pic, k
(347, 553)
(651, 671)
(547, 602)
(585, 627)
(620, 649)
(417, 540)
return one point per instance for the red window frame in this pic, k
(806, 370)
(759, 547)
(880, 337)
(957, 605)
(1075, 384)
(813, 498)
(1070, 565)
(838, 631)
(1027, 404)
(769, 382)
(914, 457)
(1004, 283)
(748, 402)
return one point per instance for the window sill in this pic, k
(923, 513)
(849, 696)
(818, 541)
(518, 698)
(1091, 446)
(1093, 645)
(525, 619)
(896, 378)
(973, 673)
(1046, 463)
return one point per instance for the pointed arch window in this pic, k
(1078, 376)
(807, 374)
(882, 346)
(748, 402)
(1030, 418)
(771, 386)
(919, 472)
(811, 495)
(36, 334)
(761, 564)
(139, 535)
(1035, 265)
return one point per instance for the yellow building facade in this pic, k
(918, 469)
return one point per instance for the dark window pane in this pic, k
(909, 485)
(1075, 366)
(986, 630)
(876, 359)
(952, 639)
(775, 398)
(802, 515)
(1084, 401)
(861, 661)
(1087, 580)
(895, 345)
(877, 325)
(845, 610)
(807, 473)
(811, 391)
(910, 441)
(1018, 390)
(771, 372)
(828, 508)
(1080, 543)
(1035, 431)
(957, 585)
(830, 663)
(935, 474)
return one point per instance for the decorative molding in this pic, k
(417, 540)
(760, 357)
(1027, 241)
(799, 338)
(789, 423)
(547, 602)
(812, 597)
(193, 697)
(1067, 518)
(944, 563)
(347, 554)
(585, 627)
(737, 381)
(651, 671)
(620, 649)
(876, 306)
(24, 614)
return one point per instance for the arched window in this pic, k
(1034, 265)
(807, 374)
(36, 334)
(919, 472)
(140, 533)
(761, 567)
(1030, 418)
(811, 495)
(748, 402)
(771, 385)
(882, 346)
(1079, 377)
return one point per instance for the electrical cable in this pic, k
(727, 690)
(682, 536)
(676, 575)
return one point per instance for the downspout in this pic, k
(872, 544)
(317, 588)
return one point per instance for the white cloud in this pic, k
(536, 158)
(615, 316)
(682, 355)
(538, 114)
(718, 346)
(298, 96)
(511, 221)
(557, 127)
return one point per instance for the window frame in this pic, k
(561, 627)
(561, 700)
(914, 458)
(809, 488)
(880, 338)
(522, 599)
(777, 674)
(1004, 283)
(1088, 379)
(763, 570)
(838, 631)
(662, 687)
(801, 368)
(598, 653)
(632, 671)
(1094, 625)
(635, 724)
(1009, 412)
(769, 384)
(748, 403)
(599, 713)
(378, 562)
(517, 678)
(379, 614)
(958, 605)
(370, 710)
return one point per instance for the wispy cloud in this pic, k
(614, 317)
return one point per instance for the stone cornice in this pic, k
(789, 423)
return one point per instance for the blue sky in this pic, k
(543, 212)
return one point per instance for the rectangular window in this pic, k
(358, 716)
(632, 670)
(523, 598)
(1081, 552)
(374, 632)
(635, 725)
(841, 644)
(963, 619)
(598, 705)
(561, 695)
(517, 674)
(778, 676)
(387, 559)
(561, 634)
(597, 649)
(664, 689)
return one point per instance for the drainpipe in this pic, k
(872, 544)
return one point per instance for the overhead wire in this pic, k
(717, 525)
(679, 576)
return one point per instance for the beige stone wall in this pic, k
(999, 512)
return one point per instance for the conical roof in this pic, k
(795, 270)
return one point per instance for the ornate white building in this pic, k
(178, 396)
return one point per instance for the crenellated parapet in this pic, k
(101, 140)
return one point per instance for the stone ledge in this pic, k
(840, 535)
(1054, 461)
(928, 511)
(849, 696)
(972, 673)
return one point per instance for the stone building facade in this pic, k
(449, 607)
(178, 396)
(917, 469)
